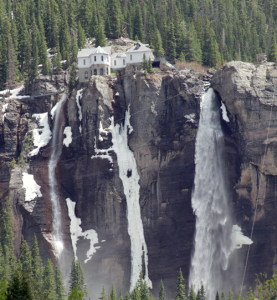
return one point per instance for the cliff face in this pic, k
(164, 113)
(249, 93)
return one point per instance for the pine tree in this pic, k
(171, 42)
(72, 80)
(144, 63)
(222, 296)
(100, 37)
(127, 296)
(64, 38)
(192, 48)
(150, 67)
(138, 24)
(217, 296)
(25, 258)
(42, 49)
(49, 281)
(202, 293)
(81, 36)
(180, 287)
(77, 277)
(103, 295)
(161, 295)
(7, 237)
(19, 288)
(114, 15)
(75, 294)
(60, 289)
(73, 51)
(113, 295)
(192, 295)
(158, 46)
(273, 47)
(57, 60)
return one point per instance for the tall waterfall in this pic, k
(56, 150)
(213, 237)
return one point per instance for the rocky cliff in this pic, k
(164, 112)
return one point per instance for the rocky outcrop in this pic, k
(164, 110)
(249, 93)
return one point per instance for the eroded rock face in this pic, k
(164, 111)
(249, 93)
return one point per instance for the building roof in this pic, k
(138, 48)
(90, 51)
(118, 55)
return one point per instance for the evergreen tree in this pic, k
(76, 295)
(138, 24)
(150, 67)
(157, 43)
(49, 281)
(180, 287)
(103, 295)
(100, 37)
(222, 296)
(203, 293)
(72, 80)
(114, 15)
(171, 42)
(25, 258)
(127, 296)
(161, 295)
(77, 277)
(113, 295)
(192, 48)
(192, 295)
(64, 37)
(60, 289)
(273, 47)
(19, 288)
(81, 36)
(73, 51)
(217, 296)
(144, 63)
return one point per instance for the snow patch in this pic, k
(79, 96)
(32, 189)
(76, 231)
(238, 239)
(190, 118)
(224, 112)
(4, 109)
(41, 136)
(117, 93)
(130, 178)
(68, 136)
(14, 93)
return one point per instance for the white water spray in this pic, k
(56, 150)
(215, 237)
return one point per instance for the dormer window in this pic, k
(94, 58)
(84, 61)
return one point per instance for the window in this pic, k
(91, 72)
(84, 61)
(101, 71)
(94, 58)
(123, 61)
(131, 57)
(86, 75)
(114, 62)
(102, 58)
(107, 71)
(95, 71)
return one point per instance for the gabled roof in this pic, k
(138, 48)
(91, 51)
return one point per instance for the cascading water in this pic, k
(213, 238)
(56, 150)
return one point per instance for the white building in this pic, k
(100, 60)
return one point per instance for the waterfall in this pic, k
(213, 237)
(56, 150)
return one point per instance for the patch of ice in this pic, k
(101, 131)
(224, 112)
(41, 136)
(68, 136)
(130, 178)
(32, 189)
(78, 97)
(190, 118)
(76, 231)
(117, 93)
(14, 93)
(238, 239)
(4, 108)
(103, 241)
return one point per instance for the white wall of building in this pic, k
(81, 63)
(120, 62)
(136, 57)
